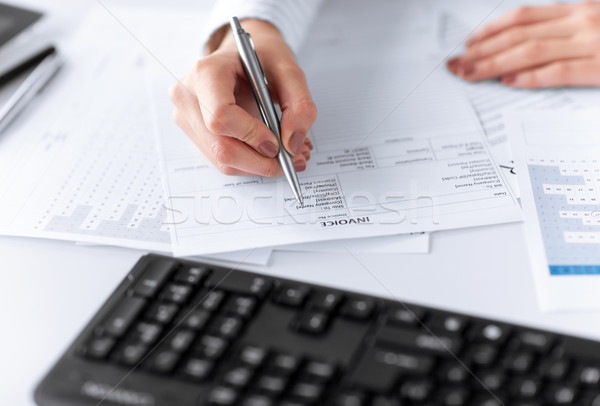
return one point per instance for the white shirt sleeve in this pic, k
(291, 17)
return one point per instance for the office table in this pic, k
(52, 288)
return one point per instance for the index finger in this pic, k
(521, 16)
(223, 116)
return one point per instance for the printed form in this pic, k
(398, 148)
(559, 157)
(391, 157)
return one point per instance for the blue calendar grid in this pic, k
(567, 198)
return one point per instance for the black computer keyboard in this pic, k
(183, 333)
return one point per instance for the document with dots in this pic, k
(559, 157)
(84, 166)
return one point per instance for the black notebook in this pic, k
(19, 41)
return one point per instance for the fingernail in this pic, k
(296, 142)
(468, 70)
(299, 166)
(268, 149)
(509, 79)
(310, 144)
(453, 63)
(471, 41)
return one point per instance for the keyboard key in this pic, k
(147, 333)
(210, 347)
(454, 396)
(482, 355)
(284, 364)
(488, 399)
(131, 354)
(293, 296)
(419, 340)
(99, 347)
(273, 385)
(555, 369)
(358, 308)
(121, 317)
(163, 361)
(209, 300)
(180, 340)
(444, 323)
(307, 392)
(258, 400)
(227, 327)
(288, 402)
(416, 390)
(313, 322)
(454, 373)
(223, 396)
(197, 369)
(241, 306)
(153, 278)
(253, 356)
(561, 395)
(406, 315)
(192, 276)
(385, 401)
(519, 363)
(353, 398)
(379, 369)
(525, 388)
(319, 371)
(589, 375)
(194, 320)
(244, 284)
(326, 301)
(490, 380)
(176, 293)
(535, 341)
(594, 399)
(491, 332)
(162, 313)
(238, 377)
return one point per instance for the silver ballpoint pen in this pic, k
(27, 90)
(258, 83)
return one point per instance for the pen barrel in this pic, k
(258, 84)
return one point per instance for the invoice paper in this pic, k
(558, 159)
(398, 149)
(388, 159)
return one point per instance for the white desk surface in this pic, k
(52, 288)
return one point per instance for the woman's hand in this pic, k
(215, 107)
(539, 46)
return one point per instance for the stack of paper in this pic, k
(398, 149)
(402, 148)
(399, 153)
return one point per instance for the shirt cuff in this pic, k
(291, 17)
